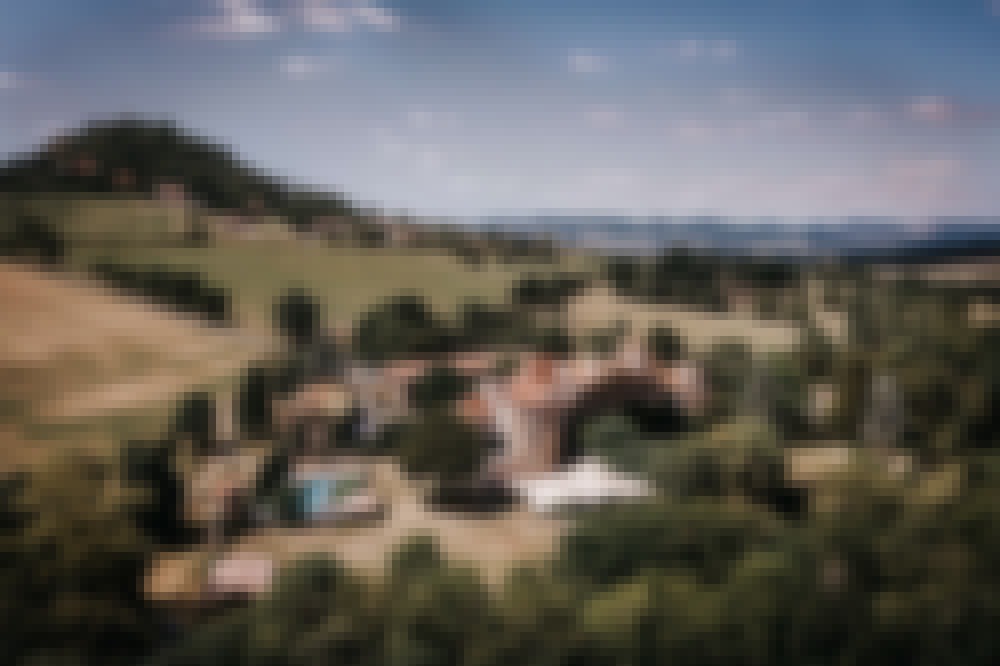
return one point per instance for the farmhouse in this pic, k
(320, 476)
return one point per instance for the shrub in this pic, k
(439, 388)
(194, 420)
(297, 316)
(704, 538)
(439, 445)
(667, 345)
(402, 327)
(32, 238)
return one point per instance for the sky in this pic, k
(471, 107)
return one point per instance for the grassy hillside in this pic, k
(78, 361)
(346, 280)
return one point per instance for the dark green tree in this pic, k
(666, 345)
(298, 316)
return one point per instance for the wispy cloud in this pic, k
(236, 19)
(933, 110)
(245, 19)
(719, 50)
(581, 61)
(303, 67)
(946, 112)
(334, 16)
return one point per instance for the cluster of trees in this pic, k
(887, 578)
(73, 564)
(30, 237)
(185, 291)
(539, 292)
(407, 326)
(683, 276)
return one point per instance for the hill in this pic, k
(140, 157)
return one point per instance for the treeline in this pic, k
(683, 276)
(184, 291)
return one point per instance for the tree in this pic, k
(195, 421)
(623, 274)
(402, 327)
(262, 384)
(151, 467)
(439, 388)
(616, 438)
(32, 238)
(439, 445)
(666, 345)
(441, 614)
(482, 325)
(555, 341)
(73, 567)
(604, 342)
(703, 537)
(729, 367)
(298, 317)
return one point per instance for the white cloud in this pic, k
(237, 18)
(604, 117)
(377, 17)
(586, 62)
(243, 18)
(338, 16)
(303, 67)
(320, 16)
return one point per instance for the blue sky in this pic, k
(773, 107)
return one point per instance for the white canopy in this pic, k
(586, 482)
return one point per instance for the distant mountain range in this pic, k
(857, 239)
